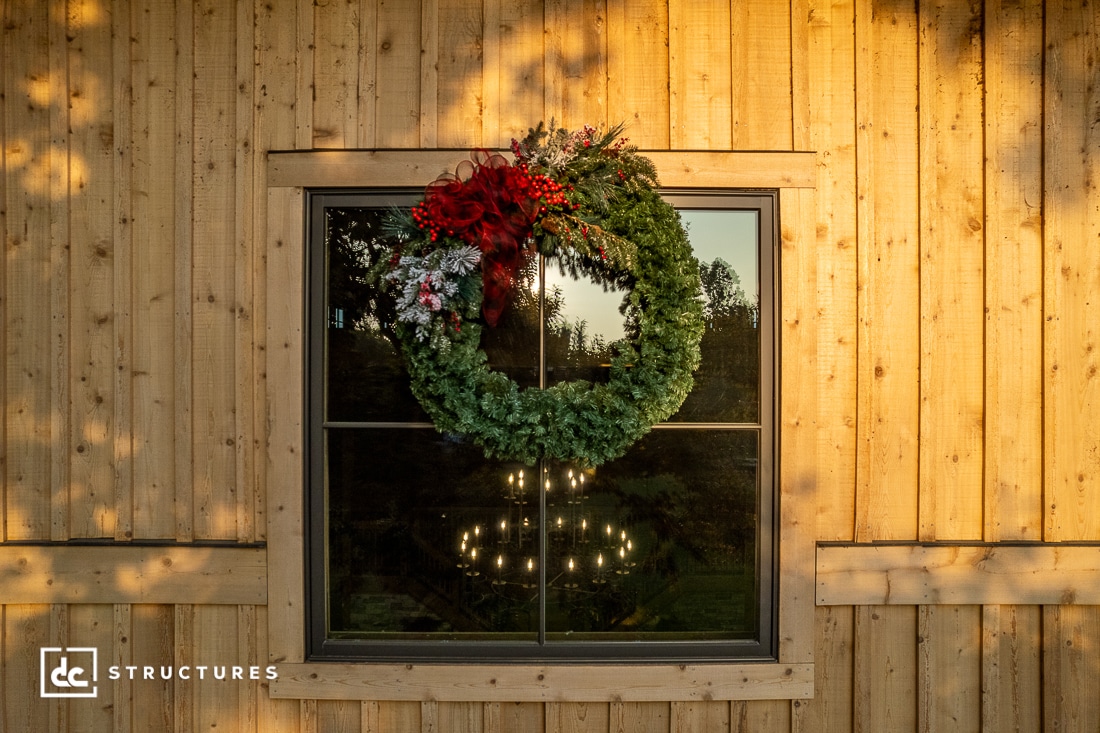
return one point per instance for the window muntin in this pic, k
(696, 496)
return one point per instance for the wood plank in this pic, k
(214, 273)
(831, 707)
(153, 639)
(460, 717)
(520, 69)
(338, 716)
(93, 626)
(687, 717)
(60, 273)
(154, 207)
(183, 691)
(760, 715)
(132, 574)
(417, 168)
(949, 679)
(577, 717)
(283, 418)
(397, 80)
(93, 378)
(25, 629)
(1014, 272)
(123, 279)
(276, 100)
(638, 70)
(492, 33)
(336, 74)
(889, 320)
(831, 71)
(797, 420)
(640, 717)
(1070, 673)
(248, 182)
(215, 700)
(884, 680)
(121, 656)
(248, 653)
(700, 108)
(761, 93)
(25, 189)
(183, 515)
(576, 63)
(275, 716)
(905, 574)
(519, 716)
(1012, 687)
(429, 74)
(952, 298)
(526, 683)
(459, 82)
(1071, 228)
(368, 74)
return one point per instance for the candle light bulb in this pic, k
(571, 473)
(622, 535)
(477, 531)
(622, 552)
(473, 553)
(559, 522)
(609, 531)
(511, 479)
(629, 545)
(570, 564)
(530, 564)
(465, 536)
(500, 561)
(547, 486)
(599, 560)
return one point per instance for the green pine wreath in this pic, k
(591, 201)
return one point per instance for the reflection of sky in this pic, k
(730, 235)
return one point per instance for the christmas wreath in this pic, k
(590, 201)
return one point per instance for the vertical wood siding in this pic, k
(956, 277)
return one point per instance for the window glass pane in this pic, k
(658, 545)
(727, 384)
(400, 501)
(365, 378)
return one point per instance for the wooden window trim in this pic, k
(790, 677)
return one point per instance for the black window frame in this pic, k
(321, 648)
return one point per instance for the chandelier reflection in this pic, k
(584, 552)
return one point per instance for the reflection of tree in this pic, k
(727, 382)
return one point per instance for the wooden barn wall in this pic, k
(958, 289)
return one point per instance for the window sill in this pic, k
(544, 683)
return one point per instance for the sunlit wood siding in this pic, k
(956, 277)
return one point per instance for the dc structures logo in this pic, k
(68, 671)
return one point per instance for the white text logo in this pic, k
(68, 671)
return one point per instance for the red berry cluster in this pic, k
(547, 190)
(424, 221)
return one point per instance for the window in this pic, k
(420, 547)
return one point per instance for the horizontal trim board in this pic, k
(958, 574)
(548, 683)
(399, 168)
(140, 574)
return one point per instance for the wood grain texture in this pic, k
(700, 105)
(126, 574)
(906, 574)
(29, 447)
(1071, 279)
(1014, 271)
(832, 127)
(558, 683)
(952, 273)
(1011, 668)
(888, 285)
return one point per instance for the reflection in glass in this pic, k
(429, 540)
(432, 541)
(400, 501)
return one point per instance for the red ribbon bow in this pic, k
(491, 205)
